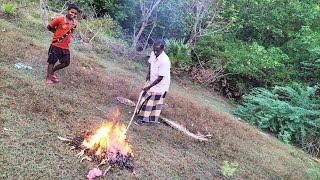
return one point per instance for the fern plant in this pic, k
(178, 52)
(291, 112)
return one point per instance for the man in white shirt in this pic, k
(158, 84)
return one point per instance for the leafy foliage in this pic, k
(247, 62)
(107, 24)
(227, 169)
(273, 41)
(8, 8)
(171, 19)
(291, 112)
(255, 61)
(178, 52)
(273, 22)
(207, 48)
(305, 52)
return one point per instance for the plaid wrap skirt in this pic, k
(150, 106)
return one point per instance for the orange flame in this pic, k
(110, 137)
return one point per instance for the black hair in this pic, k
(73, 6)
(159, 42)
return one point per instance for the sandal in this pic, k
(54, 78)
(48, 82)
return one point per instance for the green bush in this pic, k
(208, 48)
(249, 60)
(108, 27)
(304, 51)
(254, 61)
(227, 169)
(8, 8)
(179, 53)
(273, 23)
(137, 67)
(291, 112)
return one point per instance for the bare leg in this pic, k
(49, 70)
(59, 66)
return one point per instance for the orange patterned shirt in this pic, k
(62, 27)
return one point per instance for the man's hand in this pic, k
(153, 83)
(51, 28)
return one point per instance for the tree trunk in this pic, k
(136, 40)
(203, 9)
(146, 13)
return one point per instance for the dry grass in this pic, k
(36, 114)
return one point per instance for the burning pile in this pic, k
(108, 146)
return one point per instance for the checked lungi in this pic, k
(150, 106)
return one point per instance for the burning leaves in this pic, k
(108, 146)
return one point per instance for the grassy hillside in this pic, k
(33, 115)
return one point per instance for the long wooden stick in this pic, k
(179, 127)
(135, 109)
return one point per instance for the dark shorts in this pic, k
(55, 53)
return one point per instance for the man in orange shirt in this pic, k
(62, 27)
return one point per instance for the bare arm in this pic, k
(148, 75)
(51, 28)
(153, 83)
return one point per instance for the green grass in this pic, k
(37, 114)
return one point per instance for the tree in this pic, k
(146, 7)
(205, 17)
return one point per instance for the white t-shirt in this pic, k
(160, 66)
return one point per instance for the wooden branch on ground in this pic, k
(316, 160)
(64, 139)
(179, 127)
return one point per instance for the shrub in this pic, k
(208, 47)
(245, 60)
(8, 8)
(179, 53)
(304, 51)
(106, 25)
(254, 61)
(137, 67)
(291, 112)
(227, 169)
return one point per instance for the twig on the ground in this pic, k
(64, 139)
(86, 158)
(316, 160)
(105, 172)
(179, 127)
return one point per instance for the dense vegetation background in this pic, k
(264, 54)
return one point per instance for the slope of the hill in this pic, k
(33, 115)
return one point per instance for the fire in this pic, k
(109, 138)
(108, 146)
